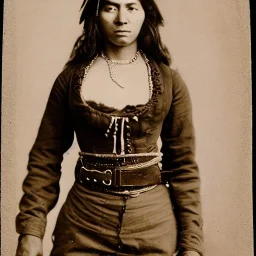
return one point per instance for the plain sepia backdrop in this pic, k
(210, 45)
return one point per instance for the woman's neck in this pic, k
(121, 53)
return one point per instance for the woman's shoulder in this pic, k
(173, 80)
(67, 73)
(74, 68)
(63, 79)
(170, 75)
(168, 71)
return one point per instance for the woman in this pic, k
(119, 95)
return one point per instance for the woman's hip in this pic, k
(118, 223)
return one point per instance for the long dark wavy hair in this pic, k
(91, 41)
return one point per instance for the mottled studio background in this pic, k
(210, 44)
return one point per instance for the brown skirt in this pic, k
(95, 223)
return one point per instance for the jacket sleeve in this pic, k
(41, 185)
(179, 167)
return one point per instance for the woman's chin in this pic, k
(122, 42)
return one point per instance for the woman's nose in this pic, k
(121, 17)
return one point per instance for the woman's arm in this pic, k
(180, 169)
(41, 185)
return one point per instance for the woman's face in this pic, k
(121, 21)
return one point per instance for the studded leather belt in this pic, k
(118, 171)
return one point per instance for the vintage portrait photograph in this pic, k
(126, 128)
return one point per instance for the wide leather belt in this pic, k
(99, 160)
(118, 171)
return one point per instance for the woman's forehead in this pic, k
(121, 2)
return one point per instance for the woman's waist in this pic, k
(120, 161)
(115, 171)
(80, 194)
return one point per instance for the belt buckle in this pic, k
(110, 181)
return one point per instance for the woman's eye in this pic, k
(109, 8)
(132, 9)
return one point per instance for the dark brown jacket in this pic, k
(167, 114)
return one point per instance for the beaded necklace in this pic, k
(114, 63)
(123, 62)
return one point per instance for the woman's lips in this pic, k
(122, 32)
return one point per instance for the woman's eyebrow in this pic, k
(105, 2)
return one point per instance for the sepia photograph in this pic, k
(126, 128)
